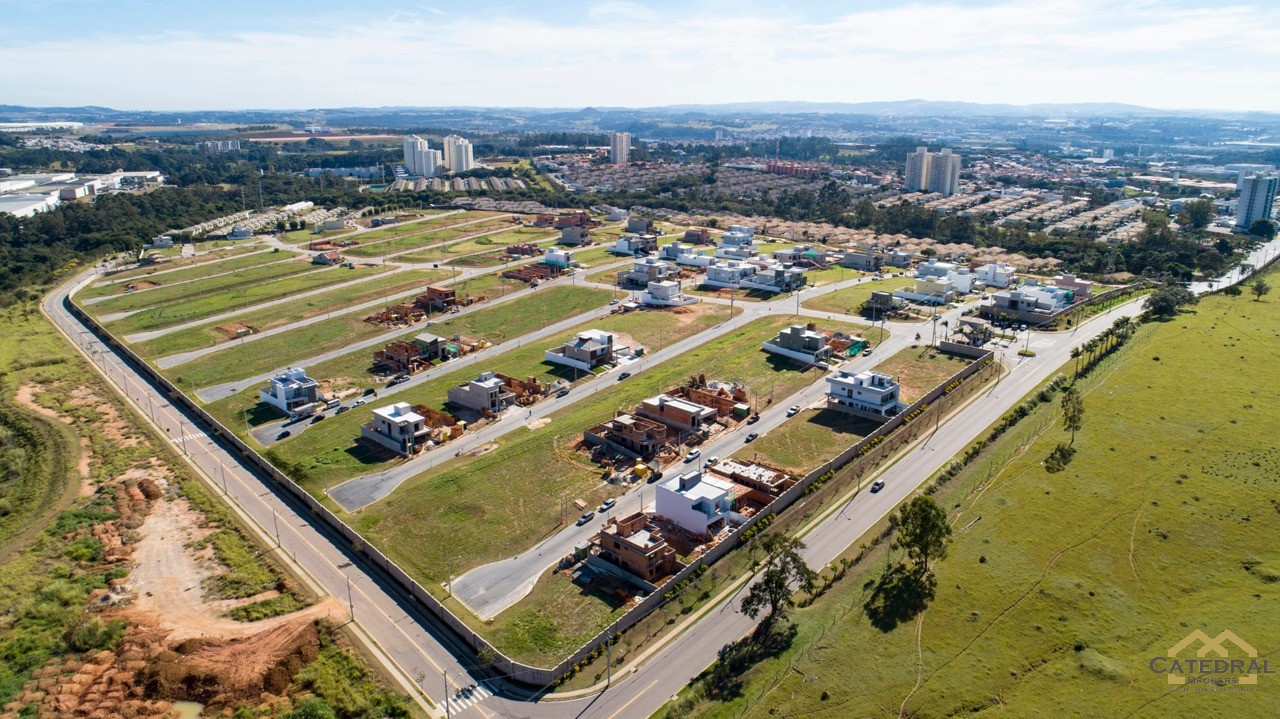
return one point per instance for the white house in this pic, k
(696, 503)
(997, 274)
(799, 343)
(775, 278)
(683, 254)
(558, 257)
(962, 279)
(728, 274)
(646, 270)
(934, 290)
(398, 428)
(1032, 297)
(290, 390)
(865, 393)
(590, 349)
(1080, 288)
(633, 244)
(933, 268)
(665, 294)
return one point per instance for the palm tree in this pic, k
(1075, 355)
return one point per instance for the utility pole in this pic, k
(275, 521)
(608, 653)
(351, 605)
(447, 712)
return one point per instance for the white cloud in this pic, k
(621, 53)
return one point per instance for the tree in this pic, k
(1166, 301)
(1199, 212)
(922, 531)
(783, 568)
(1263, 228)
(1072, 412)
(1075, 355)
(1259, 288)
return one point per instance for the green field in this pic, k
(179, 262)
(807, 440)
(479, 244)
(197, 288)
(328, 452)
(476, 510)
(190, 273)
(216, 303)
(493, 258)
(849, 300)
(423, 239)
(919, 370)
(1056, 601)
(277, 315)
(434, 219)
(496, 324)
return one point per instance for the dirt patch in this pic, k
(232, 330)
(143, 285)
(540, 422)
(483, 450)
(168, 580)
(26, 396)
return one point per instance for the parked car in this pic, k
(317, 418)
(357, 403)
(793, 410)
(877, 485)
(623, 376)
(370, 391)
(753, 436)
(586, 517)
(712, 459)
(283, 434)
(693, 455)
(607, 504)
(342, 409)
(614, 301)
(866, 352)
(1024, 328)
(753, 418)
(562, 392)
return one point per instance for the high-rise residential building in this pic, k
(620, 148)
(944, 172)
(419, 159)
(932, 171)
(1257, 199)
(457, 154)
(917, 175)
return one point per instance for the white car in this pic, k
(693, 455)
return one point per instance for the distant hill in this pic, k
(934, 108)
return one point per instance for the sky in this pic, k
(239, 54)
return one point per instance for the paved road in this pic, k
(226, 389)
(418, 651)
(490, 589)
(152, 334)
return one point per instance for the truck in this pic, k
(305, 410)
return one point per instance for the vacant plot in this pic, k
(282, 314)
(804, 442)
(433, 218)
(475, 510)
(479, 244)
(165, 294)
(1055, 603)
(919, 370)
(197, 308)
(239, 262)
(849, 301)
(492, 258)
(180, 262)
(497, 324)
(329, 452)
(444, 234)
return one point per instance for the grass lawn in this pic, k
(920, 369)
(849, 300)
(277, 315)
(493, 258)
(832, 275)
(183, 262)
(480, 244)
(423, 239)
(431, 218)
(239, 262)
(1055, 603)
(197, 308)
(329, 452)
(804, 442)
(200, 288)
(496, 324)
(470, 511)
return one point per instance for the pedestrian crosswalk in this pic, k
(464, 698)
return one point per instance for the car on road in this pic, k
(357, 403)
(606, 505)
(562, 392)
(793, 410)
(877, 485)
(623, 376)
(866, 352)
(693, 455)
(712, 459)
(753, 436)
(342, 408)
(1024, 328)
(370, 391)
(753, 418)
(614, 301)
(586, 517)
(317, 418)
(283, 434)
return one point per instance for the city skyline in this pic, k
(571, 55)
